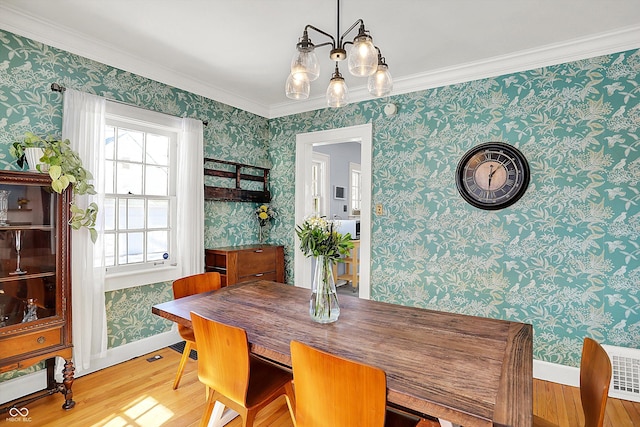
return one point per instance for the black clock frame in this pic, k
(520, 184)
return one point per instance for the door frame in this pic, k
(304, 152)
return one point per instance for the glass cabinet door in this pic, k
(27, 254)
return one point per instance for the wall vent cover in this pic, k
(625, 378)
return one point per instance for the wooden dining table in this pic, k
(472, 371)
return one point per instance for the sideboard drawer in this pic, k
(244, 263)
(30, 342)
(260, 276)
(256, 261)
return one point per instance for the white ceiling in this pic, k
(238, 51)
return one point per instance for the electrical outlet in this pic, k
(379, 210)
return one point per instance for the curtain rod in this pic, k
(55, 87)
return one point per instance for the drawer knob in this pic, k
(41, 340)
(259, 274)
(258, 251)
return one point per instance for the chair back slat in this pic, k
(595, 377)
(333, 391)
(228, 375)
(196, 284)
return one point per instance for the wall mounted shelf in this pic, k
(238, 172)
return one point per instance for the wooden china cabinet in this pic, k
(35, 278)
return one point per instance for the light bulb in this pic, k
(363, 57)
(305, 62)
(380, 83)
(337, 92)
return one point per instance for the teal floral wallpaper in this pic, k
(27, 69)
(564, 257)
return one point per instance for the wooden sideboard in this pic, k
(35, 279)
(248, 262)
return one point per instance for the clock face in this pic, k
(492, 176)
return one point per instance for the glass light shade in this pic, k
(337, 92)
(363, 57)
(305, 62)
(380, 83)
(297, 88)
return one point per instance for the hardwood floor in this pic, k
(138, 393)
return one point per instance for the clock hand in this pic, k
(491, 172)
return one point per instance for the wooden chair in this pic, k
(183, 287)
(333, 391)
(237, 379)
(595, 376)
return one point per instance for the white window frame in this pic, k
(320, 201)
(151, 272)
(355, 168)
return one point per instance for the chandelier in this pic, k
(364, 59)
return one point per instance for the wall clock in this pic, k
(492, 175)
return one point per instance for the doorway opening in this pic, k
(304, 194)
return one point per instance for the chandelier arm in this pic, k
(333, 40)
(342, 45)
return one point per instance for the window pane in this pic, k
(109, 209)
(109, 142)
(109, 178)
(109, 249)
(157, 150)
(135, 214)
(158, 214)
(130, 145)
(157, 181)
(135, 250)
(122, 248)
(122, 214)
(129, 178)
(157, 244)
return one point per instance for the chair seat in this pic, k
(186, 333)
(264, 379)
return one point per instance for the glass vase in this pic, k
(323, 306)
(262, 233)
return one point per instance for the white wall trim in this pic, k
(74, 42)
(555, 373)
(22, 386)
(19, 387)
(559, 53)
(63, 38)
(304, 150)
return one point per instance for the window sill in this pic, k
(117, 281)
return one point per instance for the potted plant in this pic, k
(65, 168)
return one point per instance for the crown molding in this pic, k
(588, 47)
(68, 40)
(63, 38)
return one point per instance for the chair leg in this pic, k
(291, 401)
(183, 362)
(208, 410)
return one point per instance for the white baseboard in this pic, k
(555, 373)
(22, 386)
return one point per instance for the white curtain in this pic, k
(190, 198)
(83, 123)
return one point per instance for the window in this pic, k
(140, 182)
(356, 188)
(319, 184)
